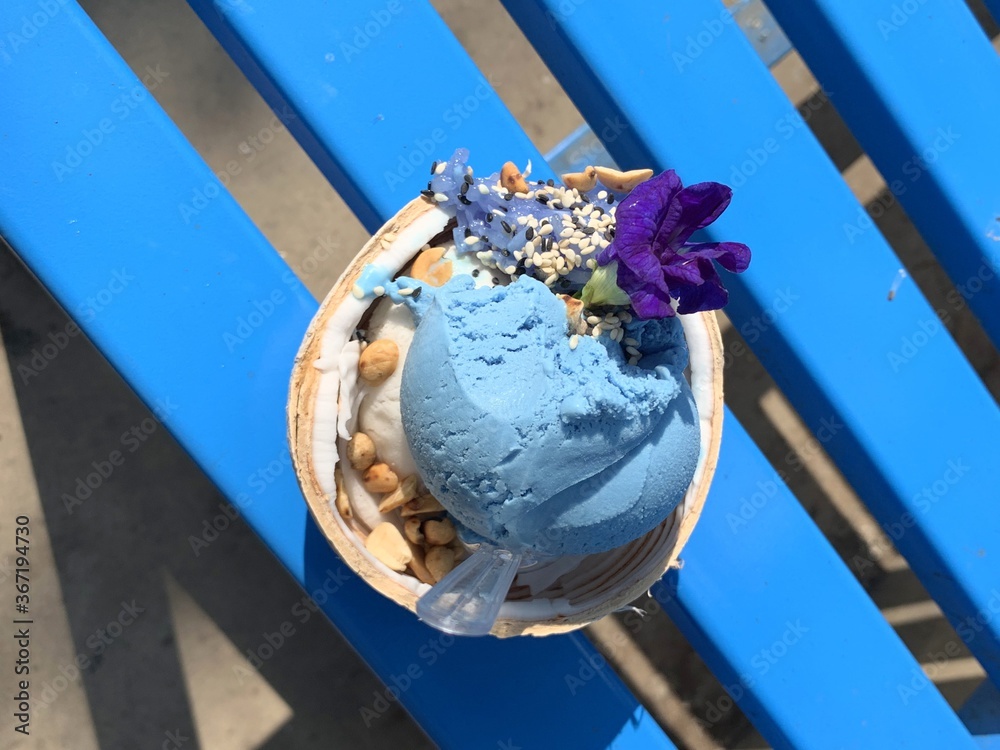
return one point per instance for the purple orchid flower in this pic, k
(654, 260)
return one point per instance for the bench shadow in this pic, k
(116, 544)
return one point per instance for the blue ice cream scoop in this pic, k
(535, 446)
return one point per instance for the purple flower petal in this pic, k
(655, 263)
(733, 256)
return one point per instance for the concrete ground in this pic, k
(141, 644)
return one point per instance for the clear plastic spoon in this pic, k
(468, 599)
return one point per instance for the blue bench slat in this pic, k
(881, 383)
(284, 71)
(793, 658)
(341, 58)
(182, 287)
(917, 84)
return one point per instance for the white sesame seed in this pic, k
(551, 279)
(509, 270)
(483, 190)
(584, 243)
(518, 255)
(358, 292)
(529, 262)
(611, 318)
(573, 341)
(627, 317)
(591, 263)
(406, 292)
(587, 250)
(547, 229)
(379, 290)
(633, 361)
(522, 220)
(440, 167)
(617, 334)
(440, 197)
(593, 320)
(602, 195)
(568, 232)
(473, 240)
(632, 350)
(631, 342)
(598, 328)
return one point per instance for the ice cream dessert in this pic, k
(533, 444)
(508, 368)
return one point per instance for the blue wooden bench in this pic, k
(114, 201)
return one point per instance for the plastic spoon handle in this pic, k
(467, 600)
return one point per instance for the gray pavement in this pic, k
(142, 644)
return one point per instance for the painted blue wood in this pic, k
(916, 82)
(881, 383)
(834, 656)
(981, 714)
(366, 73)
(994, 6)
(753, 598)
(97, 189)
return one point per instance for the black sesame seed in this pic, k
(540, 182)
(550, 183)
(611, 198)
(508, 196)
(465, 187)
(475, 273)
(427, 193)
(489, 216)
(505, 253)
(505, 225)
(417, 291)
(529, 233)
(495, 281)
(542, 198)
(434, 168)
(463, 199)
(584, 198)
(468, 179)
(468, 232)
(588, 230)
(611, 232)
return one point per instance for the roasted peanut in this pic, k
(406, 491)
(378, 361)
(421, 506)
(582, 181)
(622, 182)
(343, 502)
(360, 451)
(512, 179)
(439, 533)
(439, 561)
(380, 478)
(388, 546)
(429, 267)
(413, 531)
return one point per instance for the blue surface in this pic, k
(981, 714)
(866, 374)
(917, 83)
(787, 629)
(833, 656)
(165, 332)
